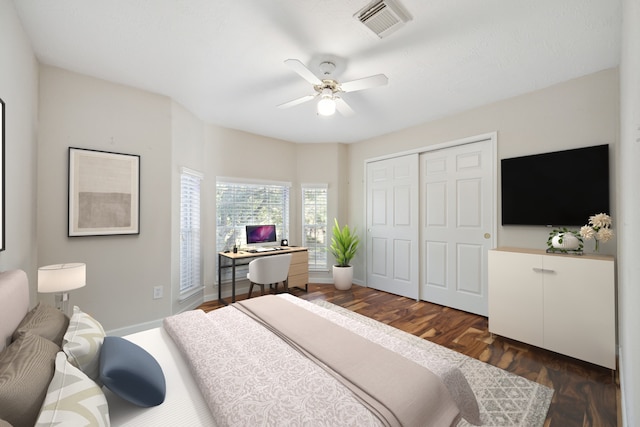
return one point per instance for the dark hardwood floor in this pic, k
(585, 394)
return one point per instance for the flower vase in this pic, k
(566, 241)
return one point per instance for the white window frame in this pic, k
(318, 253)
(234, 233)
(190, 232)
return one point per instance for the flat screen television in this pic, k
(257, 234)
(561, 188)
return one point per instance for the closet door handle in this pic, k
(543, 270)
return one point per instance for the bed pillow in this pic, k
(82, 342)
(46, 321)
(73, 399)
(26, 369)
(14, 293)
(131, 372)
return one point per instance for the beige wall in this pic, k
(573, 114)
(629, 209)
(188, 138)
(79, 111)
(19, 91)
(235, 154)
(324, 164)
(83, 112)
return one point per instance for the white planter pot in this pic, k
(569, 241)
(342, 277)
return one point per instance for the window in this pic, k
(190, 253)
(239, 203)
(314, 227)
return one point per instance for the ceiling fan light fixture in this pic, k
(326, 106)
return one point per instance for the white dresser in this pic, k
(563, 303)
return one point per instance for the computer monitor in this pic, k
(260, 234)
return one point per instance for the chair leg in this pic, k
(250, 290)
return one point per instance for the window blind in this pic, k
(314, 227)
(190, 242)
(241, 203)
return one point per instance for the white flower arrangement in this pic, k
(599, 228)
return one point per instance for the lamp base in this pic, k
(62, 301)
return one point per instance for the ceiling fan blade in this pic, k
(303, 71)
(343, 107)
(364, 83)
(297, 101)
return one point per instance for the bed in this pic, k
(274, 360)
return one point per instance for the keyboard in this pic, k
(265, 249)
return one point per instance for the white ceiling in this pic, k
(224, 59)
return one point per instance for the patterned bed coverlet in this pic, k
(249, 376)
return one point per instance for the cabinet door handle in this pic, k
(543, 270)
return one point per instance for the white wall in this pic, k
(580, 112)
(629, 218)
(19, 91)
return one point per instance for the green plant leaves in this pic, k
(344, 244)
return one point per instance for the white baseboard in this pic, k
(211, 294)
(242, 287)
(128, 330)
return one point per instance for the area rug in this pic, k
(505, 399)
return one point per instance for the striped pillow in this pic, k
(72, 398)
(82, 343)
(45, 321)
(26, 369)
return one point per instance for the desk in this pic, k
(298, 270)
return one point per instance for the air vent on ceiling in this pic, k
(383, 17)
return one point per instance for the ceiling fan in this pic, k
(328, 89)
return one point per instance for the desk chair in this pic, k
(269, 270)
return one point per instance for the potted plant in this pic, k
(344, 245)
(564, 240)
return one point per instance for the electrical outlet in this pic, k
(157, 292)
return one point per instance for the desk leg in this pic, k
(220, 278)
(233, 280)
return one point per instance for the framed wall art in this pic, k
(2, 212)
(104, 193)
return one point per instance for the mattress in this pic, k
(183, 405)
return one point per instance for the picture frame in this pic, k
(104, 193)
(2, 176)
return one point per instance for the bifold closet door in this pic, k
(457, 225)
(393, 225)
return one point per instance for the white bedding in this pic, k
(250, 378)
(183, 405)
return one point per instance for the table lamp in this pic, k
(61, 278)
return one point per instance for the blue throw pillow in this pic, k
(131, 372)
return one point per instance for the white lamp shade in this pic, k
(61, 277)
(326, 106)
